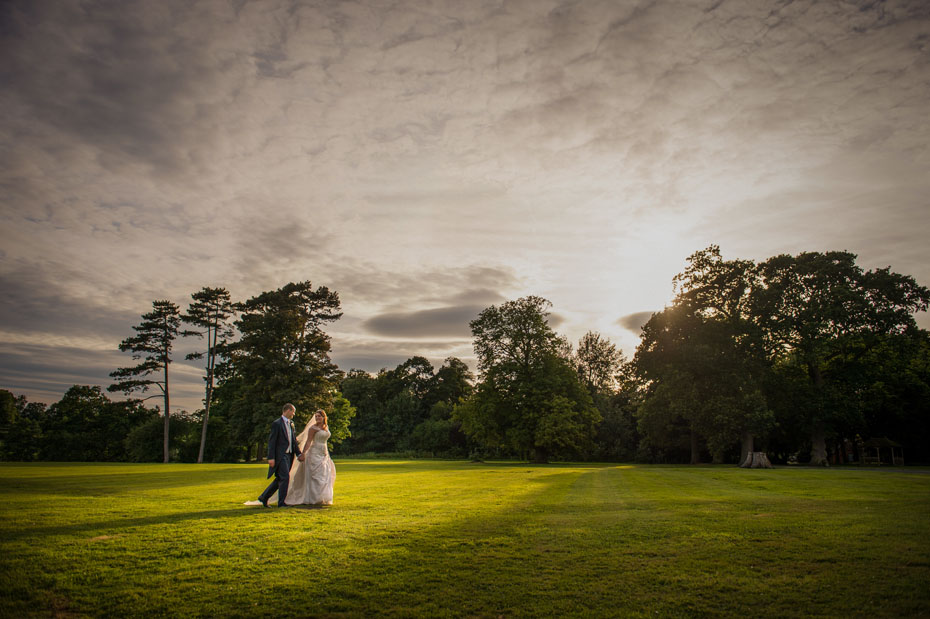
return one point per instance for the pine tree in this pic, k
(152, 342)
(210, 311)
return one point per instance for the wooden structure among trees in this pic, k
(873, 447)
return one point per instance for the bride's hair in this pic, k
(325, 418)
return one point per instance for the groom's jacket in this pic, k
(277, 443)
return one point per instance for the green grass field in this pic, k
(430, 538)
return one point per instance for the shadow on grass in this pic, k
(505, 560)
(120, 481)
(129, 522)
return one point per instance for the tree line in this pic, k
(258, 353)
(796, 355)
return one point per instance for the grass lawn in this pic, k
(432, 538)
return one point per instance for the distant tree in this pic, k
(210, 312)
(153, 343)
(339, 417)
(361, 389)
(895, 392)
(600, 367)
(394, 404)
(439, 433)
(282, 356)
(528, 398)
(8, 416)
(672, 398)
(22, 440)
(718, 288)
(415, 375)
(7, 409)
(86, 426)
(814, 308)
(880, 390)
(20, 429)
(597, 361)
(399, 416)
(617, 436)
(141, 442)
(452, 382)
(667, 433)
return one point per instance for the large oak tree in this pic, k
(816, 309)
(702, 360)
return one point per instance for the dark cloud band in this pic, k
(439, 322)
(634, 322)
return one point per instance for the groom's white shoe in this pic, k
(255, 503)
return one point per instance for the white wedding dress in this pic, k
(312, 480)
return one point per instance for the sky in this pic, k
(427, 159)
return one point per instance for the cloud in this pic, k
(371, 354)
(52, 338)
(449, 321)
(373, 285)
(834, 208)
(35, 302)
(555, 320)
(444, 321)
(635, 322)
(478, 296)
(269, 246)
(120, 78)
(43, 372)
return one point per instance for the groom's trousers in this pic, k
(282, 478)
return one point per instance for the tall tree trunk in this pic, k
(540, 455)
(818, 446)
(695, 448)
(167, 410)
(211, 362)
(747, 446)
(818, 432)
(206, 418)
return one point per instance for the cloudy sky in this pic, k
(426, 159)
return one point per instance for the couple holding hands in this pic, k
(309, 481)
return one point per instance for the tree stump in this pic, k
(756, 460)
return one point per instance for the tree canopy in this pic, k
(529, 397)
(282, 355)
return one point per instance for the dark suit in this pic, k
(277, 451)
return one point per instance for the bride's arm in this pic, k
(306, 446)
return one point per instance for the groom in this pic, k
(282, 445)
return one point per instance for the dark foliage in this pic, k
(408, 409)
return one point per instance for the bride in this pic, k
(312, 480)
